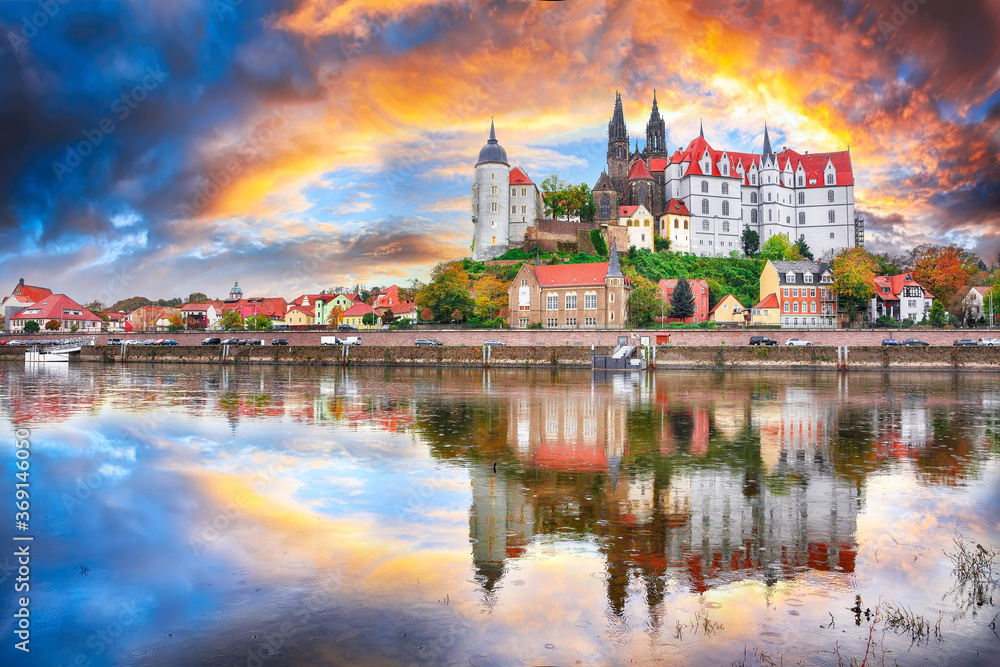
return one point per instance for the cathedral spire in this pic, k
(701, 129)
(656, 132)
(616, 128)
(768, 153)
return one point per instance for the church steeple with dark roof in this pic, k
(616, 128)
(614, 266)
(768, 153)
(656, 132)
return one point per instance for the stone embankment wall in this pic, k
(667, 357)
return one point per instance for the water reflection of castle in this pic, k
(592, 461)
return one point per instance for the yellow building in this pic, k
(728, 311)
(298, 316)
(354, 316)
(766, 312)
(675, 225)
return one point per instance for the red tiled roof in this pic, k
(358, 309)
(658, 164)
(518, 177)
(769, 301)
(671, 283)
(570, 274)
(982, 289)
(305, 310)
(312, 297)
(626, 211)
(895, 284)
(34, 293)
(676, 206)
(403, 307)
(639, 170)
(195, 306)
(51, 308)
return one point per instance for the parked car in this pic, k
(990, 342)
(891, 342)
(114, 341)
(347, 327)
(253, 341)
(965, 342)
(169, 342)
(230, 341)
(3, 342)
(329, 340)
(762, 340)
(798, 342)
(427, 341)
(279, 341)
(351, 340)
(212, 341)
(915, 342)
(498, 343)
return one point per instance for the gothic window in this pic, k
(605, 207)
(524, 209)
(677, 223)
(831, 216)
(493, 190)
(753, 179)
(802, 199)
(619, 170)
(725, 226)
(704, 186)
(513, 210)
(788, 219)
(641, 196)
(704, 225)
(493, 207)
(829, 196)
(704, 207)
(831, 235)
(753, 197)
(802, 217)
(801, 181)
(725, 188)
(829, 179)
(725, 208)
(753, 217)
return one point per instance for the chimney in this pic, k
(21, 282)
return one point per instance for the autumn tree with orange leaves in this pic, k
(943, 270)
(854, 278)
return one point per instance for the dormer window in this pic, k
(885, 290)
(753, 179)
(829, 179)
(808, 277)
(790, 277)
(802, 181)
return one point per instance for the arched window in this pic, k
(725, 208)
(788, 219)
(704, 225)
(704, 207)
(831, 235)
(725, 226)
(829, 196)
(829, 179)
(802, 199)
(619, 170)
(802, 217)
(801, 181)
(753, 197)
(753, 217)
(605, 207)
(640, 196)
(704, 186)
(753, 179)
(725, 188)
(831, 216)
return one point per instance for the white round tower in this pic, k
(491, 201)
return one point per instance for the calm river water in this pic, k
(195, 515)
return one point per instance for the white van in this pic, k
(351, 340)
(329, 340)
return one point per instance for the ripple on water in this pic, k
(712, 605)
(140, 652)
(793, 602)
(769, 637)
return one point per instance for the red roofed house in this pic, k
(60, 308)
(20, 298)
(388, 300)
(116, 321)
(152, 317)
(298, 315)
(674, 225)
(767, 311)
(808, 195)
(570, 296)
(900, 297)
(198, 315)
(699, 288)
(639, 223)
(354, 316)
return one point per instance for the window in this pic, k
(802, 217)
(725, 208)
(570, 302)
(795, 322)
(493, 190)
(829, 196)
(725, 226)
(552, 302)
(704, 186)
(795, 306)
(725, 172)
(812, 306)
(770, 215)
(785, 306)
(493, 223)
(753, 179)
(524, 282)
(802, 197)
(494, 241)
(493, 207)
(753, 197)
(831, 216)
(790, 277)
(513, 192)
(725, 188)
(523, 322)
(753, 217)
(612, 299)
(832, 235)
(641, 196)
(795, 291)
(912, 303)
(493, 176)
(808, 278)
(524, 192)
(768, 196)
(571, 321)
(802, 182)
(685, 224)
(704, 207)
(829, 179)
(605, 207)
(513, 210)
(524, 208)
(590, 321)
(786, 321)
(677, 223)
(704, 225)
(552, 322)
(590, 301)
(788, 219)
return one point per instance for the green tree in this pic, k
(259, 322)
(853, 278)
(96, 307)
(74, 328)
(231, 319)
(644, 302)
(661, 244)
(197, 297)
(52, 325)
(887, 265)
(554, 196)
(600, 246)
(3, 322)
(31, 326)
(447, 294)
(682, 300)
(779, 248)
(803, 248)
(368, 319)
(751, 241)
(938, 314)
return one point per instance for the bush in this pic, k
(31, 326)
(600, 246)
(536, 325)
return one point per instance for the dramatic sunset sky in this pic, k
(158, 148)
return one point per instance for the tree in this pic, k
(887, 265)
(231, 319)
(854, 278)
(943, 270)
(197, 297)
(52, 325)
(3, 322)
(779, 248)
(176, 322)
(682, 300)
(553, 196)
(491, 296)
(938, 314)
(333, 319)
(426, 315)
(74, 328)
(368, 319)
(388, 317)
(96, 307)
(31, 326)
(447, 293)
(644, 302)
(600, 246)
(803, 248)
(751, 241)
(992, 296)
(259, 322)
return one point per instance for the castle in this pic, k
(699, 197)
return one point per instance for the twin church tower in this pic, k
(706, 196)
